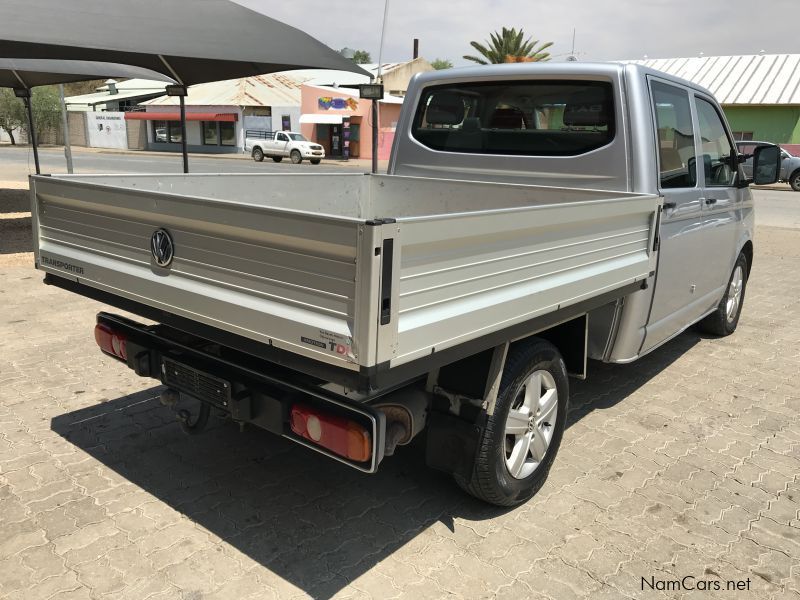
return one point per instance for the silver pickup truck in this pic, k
(533, 217)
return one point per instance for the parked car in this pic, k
(534, 216)
(278, 145)
(790, 165)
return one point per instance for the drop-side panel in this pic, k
(283, 278)
(464, 276)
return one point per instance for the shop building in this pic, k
(340, 121)
(219, 114)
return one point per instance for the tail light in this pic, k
(337, 434)
(111, 342)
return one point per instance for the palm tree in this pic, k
(510, 45)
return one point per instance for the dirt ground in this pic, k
(16, 240)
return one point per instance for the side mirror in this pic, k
(766, 164)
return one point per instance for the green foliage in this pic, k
(361, 57)
(441, 63)
(45, 104)
(509, 45)
(12, 112)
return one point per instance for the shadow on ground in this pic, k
(308, 519)
(14, 200)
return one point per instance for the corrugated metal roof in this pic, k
(750, 79)
(261, 90)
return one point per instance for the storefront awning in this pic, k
(321, 119)
(170, 116)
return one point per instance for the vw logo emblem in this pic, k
(162, 247)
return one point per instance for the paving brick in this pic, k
(684, 463)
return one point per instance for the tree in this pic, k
(45, 105)
(12, 113)
(509, 45)
(361, 57)
(441, 63)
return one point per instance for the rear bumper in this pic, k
(255, 391)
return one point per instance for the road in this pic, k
(17, 163)
(777, 206)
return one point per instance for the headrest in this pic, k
(588, 108)
(445, 108)
(508, 118)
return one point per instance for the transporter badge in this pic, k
(162, 247)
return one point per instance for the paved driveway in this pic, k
(683, 467)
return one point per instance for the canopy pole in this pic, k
(32, 132)
(67, 144)
(180, 91)
(24, 92)
(183, 137)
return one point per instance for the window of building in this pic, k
(175, 135)
(717, 147)
(227, 133)
(210, 133)
(160, 132)
(743, 136)
(677, 161)
(530, 118)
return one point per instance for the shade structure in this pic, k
(27, 73)
(193, 41)
(23, 74)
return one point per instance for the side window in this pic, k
(717, 147)
(677, 160)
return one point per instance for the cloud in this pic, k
(604, 30)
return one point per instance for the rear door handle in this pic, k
(709, 200)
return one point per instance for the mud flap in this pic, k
(452, 444)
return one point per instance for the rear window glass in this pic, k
(532, 118)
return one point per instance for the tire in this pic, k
(277, 158)
(794, 181)
(258, 154)
(506, 471)
(725, 318)
(314, 161)
(296, 157)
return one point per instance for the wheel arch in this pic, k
(748, 251)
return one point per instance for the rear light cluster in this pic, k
(337, 434)
(111, 342)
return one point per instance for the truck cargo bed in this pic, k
(360, 272)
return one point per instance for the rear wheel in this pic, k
(522, 436)
(258, 154)
(296, 157)
(277, 158)
(725, 318)
(794, 181)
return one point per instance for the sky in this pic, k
(605, 29)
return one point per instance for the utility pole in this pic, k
(378, 79)
(64, 117)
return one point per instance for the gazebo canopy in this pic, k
(28, 73)
(192, 41)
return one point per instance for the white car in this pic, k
(278, 145)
